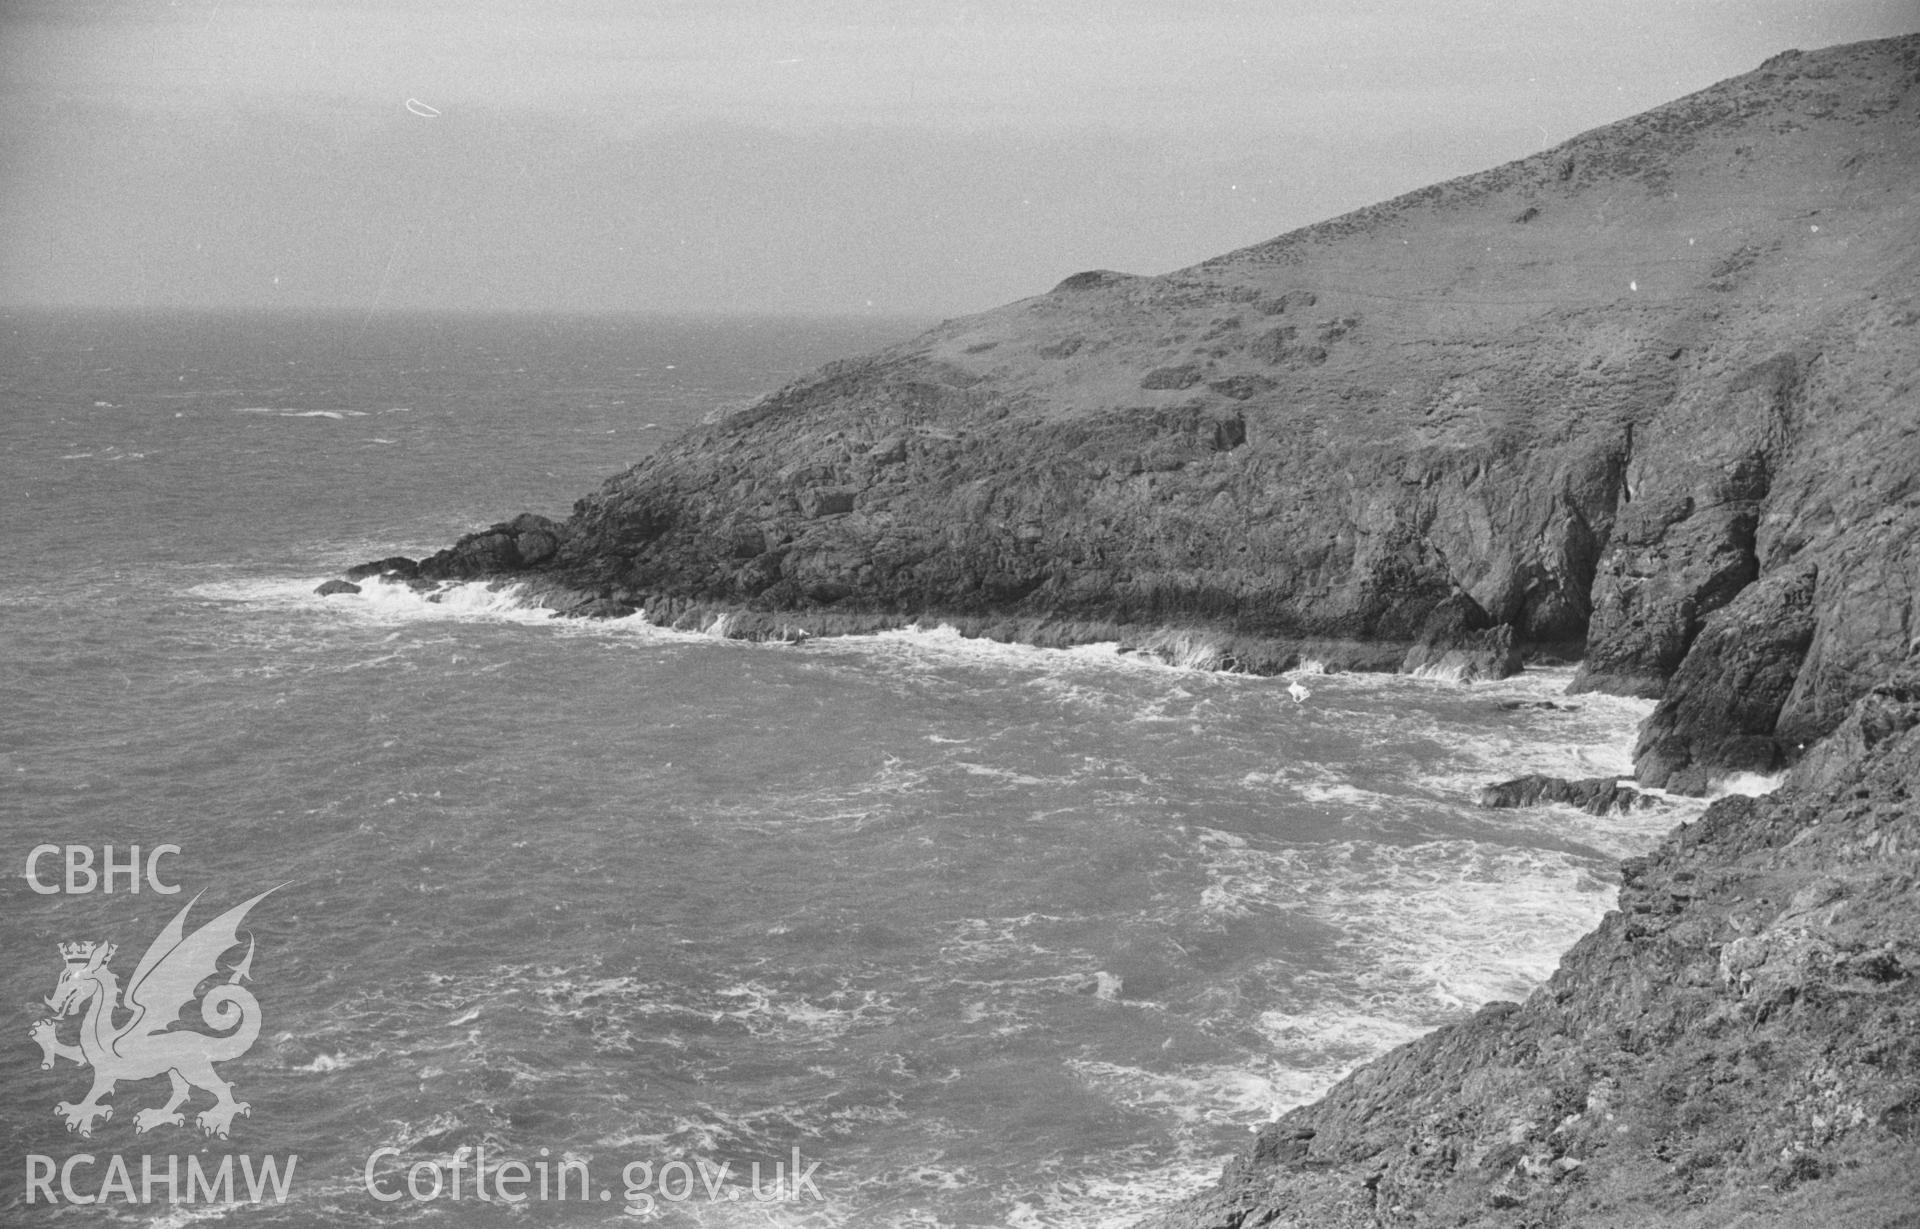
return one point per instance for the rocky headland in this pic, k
(1646, 398)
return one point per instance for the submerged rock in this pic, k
(397, 567)
(1594, 795)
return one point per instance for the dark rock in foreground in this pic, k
(1739, 1044)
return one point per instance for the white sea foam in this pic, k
(1000, 774)
(1748, 784)
(110, 453)
(1193, 1096)
(769, 1012)
(278, 591)
(1439, 674)
(178, 1217)
(1424, 930)
(1591, 740)
(1320, 1047)
(278, 412)
(944, 641)
(389, 601)
(1048, 1199)
(1320, 785)
(1186, 650)
(1199, 1098)
(384, 601)
(381, 601)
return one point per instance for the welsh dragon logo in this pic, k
(145, 1042)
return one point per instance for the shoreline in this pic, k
(1199, 644)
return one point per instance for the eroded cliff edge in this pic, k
(1739, 1044)
(1649, 393)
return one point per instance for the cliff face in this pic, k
(1597, 394)
(1738, 1044)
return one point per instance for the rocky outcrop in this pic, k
(1455, 642)
(525, 542)
(1738, 1043)
(397, 567)
(1594, 795)
(1722, 706)
(1889, 710)
(1598, 399)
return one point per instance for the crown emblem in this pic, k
(82, 952)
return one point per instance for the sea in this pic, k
(591, 922)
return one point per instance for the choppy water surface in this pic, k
(994, 935)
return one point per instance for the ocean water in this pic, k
(971, 934)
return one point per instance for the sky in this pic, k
(898, 157)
